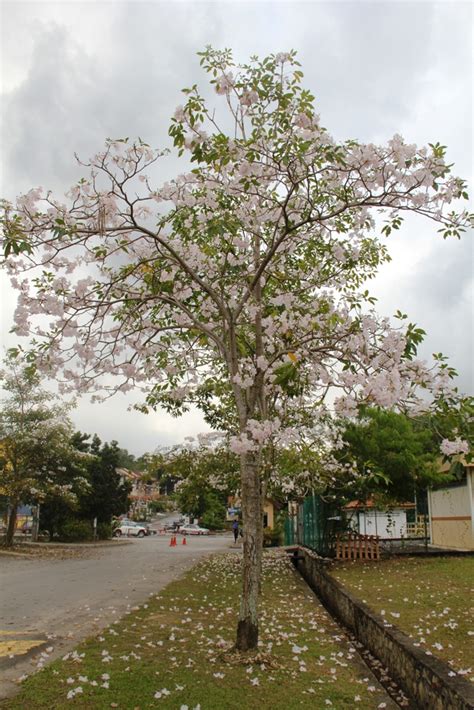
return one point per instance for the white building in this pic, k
(367, 519)
(451, 511)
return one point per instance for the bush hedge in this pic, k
(76, 530)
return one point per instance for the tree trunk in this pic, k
(247, 629)
(11, 526)
(35, 526)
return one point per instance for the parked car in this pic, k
(130, 529)
(193, 529)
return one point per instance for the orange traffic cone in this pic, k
(184, 540)
(172, 541)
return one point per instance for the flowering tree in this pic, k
(37, 460)
(242, 279)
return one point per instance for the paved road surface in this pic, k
(63, 601)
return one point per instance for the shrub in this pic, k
(214, 518)
(271, 537)
(166, 504)
(104, 531)
(159, 506)
(76, 530)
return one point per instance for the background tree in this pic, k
(155, 470)
(104, 496)
(107, 495)
(243, 277)
(395, 456)
(57, 511)
(37, 461)
(128, 460)
(205, 477)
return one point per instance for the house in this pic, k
(367, 519)
(142, 494)
(451, 511)
(234, 511)
(268, 514)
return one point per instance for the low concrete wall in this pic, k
(425, 679)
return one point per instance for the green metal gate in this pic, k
(314, 525)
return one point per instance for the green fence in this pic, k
(314, 525)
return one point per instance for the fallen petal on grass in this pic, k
(197, 662)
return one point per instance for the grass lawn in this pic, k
(173, 652)
(430, 599)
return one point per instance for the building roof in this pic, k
(131, 475)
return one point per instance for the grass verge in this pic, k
(174, 652)
(430, 599)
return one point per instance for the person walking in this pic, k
(235, 530)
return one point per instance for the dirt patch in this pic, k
(52, 551)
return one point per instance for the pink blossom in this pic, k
(248, 98)
(456, 446)
(282, 57)
(225, 83)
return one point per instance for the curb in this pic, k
(425, 679)
(7, 662)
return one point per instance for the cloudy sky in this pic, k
(74, 73)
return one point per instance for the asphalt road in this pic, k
(56, 603)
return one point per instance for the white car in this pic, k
(193, 529)
(130, 529)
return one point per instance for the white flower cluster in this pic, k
(258, 432)
(457, 446)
